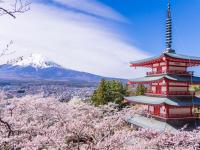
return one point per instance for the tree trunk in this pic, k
(7, 125)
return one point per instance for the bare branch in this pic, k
(15, 60)
(17, 7)
(7, 12)
(5, 51)
(7, 125)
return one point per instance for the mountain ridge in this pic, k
(35, 60)
(38, 68)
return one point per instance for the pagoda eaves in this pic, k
(173, 101)
(174, 78)
(166, 57)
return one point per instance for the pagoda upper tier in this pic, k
(167, 57)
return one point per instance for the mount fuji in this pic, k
(38, 68)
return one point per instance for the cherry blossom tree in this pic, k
(10, 7)
(46, 123)
(41, 123)
(34, 122)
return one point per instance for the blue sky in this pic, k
(102, 36)
(147, 27)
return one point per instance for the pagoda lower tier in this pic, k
(167, 85)
(168, 108)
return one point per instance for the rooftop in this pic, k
(168, 55)
(148, 79)
(150, 123)
(173, 101)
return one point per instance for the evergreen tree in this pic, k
(141, 89)
(100, 96)
(196, 88)
(109, 91)
(126, 90)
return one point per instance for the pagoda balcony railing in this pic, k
(170, 72)
(171, 93)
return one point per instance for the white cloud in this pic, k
(93, 7)
(72, 39)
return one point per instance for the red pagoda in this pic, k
(168, 98)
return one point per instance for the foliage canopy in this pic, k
(140, 90)
(109, 91)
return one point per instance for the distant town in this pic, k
(58, 90)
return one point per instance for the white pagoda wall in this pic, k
(178, 89)
(164, 89)
(164, 68)
(163, 111)
(173, 68)
(153, 88)
(170, 111)
(177, 64)
(179, 111)
(171, 89)
(178, 84)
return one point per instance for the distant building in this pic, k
(168, 98)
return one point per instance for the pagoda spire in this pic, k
(169, 30)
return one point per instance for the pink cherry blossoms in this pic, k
(33, 122)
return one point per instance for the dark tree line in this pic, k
(140, 90)
(109, 91)
(114, 91)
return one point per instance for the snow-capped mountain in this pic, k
(37, 67)
(34, 60)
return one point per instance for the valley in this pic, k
(63, 91)
(37, 74)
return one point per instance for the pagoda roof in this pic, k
(168, 55)
(180, 56)
(145, 60)
(173, 101)
(150, 123)
(176, 78)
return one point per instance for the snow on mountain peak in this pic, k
(35, 60)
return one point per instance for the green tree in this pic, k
(196, 88)
(115, 90)
(100, 96)
(109, 91)
(140, 90)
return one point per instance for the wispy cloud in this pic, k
(93, 8)
(73, 39)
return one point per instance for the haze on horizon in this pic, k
(99, 37)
